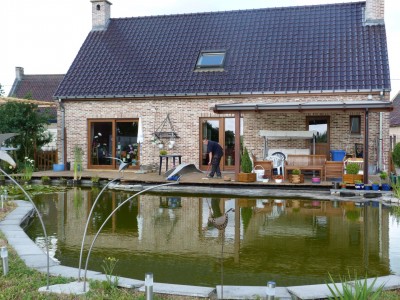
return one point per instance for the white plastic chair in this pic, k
(278, 163)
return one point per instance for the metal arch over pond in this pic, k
(111, 214)
(41, 221)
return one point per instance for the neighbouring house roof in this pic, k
(37, 87)
(395, 113)
(304, 49)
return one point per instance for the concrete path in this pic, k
(35, 258)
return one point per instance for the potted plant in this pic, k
(78, 155)
(351, 175)
(375, 186)
(359, 184)
(246, 166)
(163, 152)
(296, 176)
(343, 185)
(278, 178)
(385, 185)
(265, 178)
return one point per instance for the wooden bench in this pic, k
(305, 162)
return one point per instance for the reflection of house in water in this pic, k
(268, 231)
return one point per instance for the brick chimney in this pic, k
(19, 73)
(374, 12)
(101, 10)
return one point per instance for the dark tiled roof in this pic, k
(291, 49)
(395, 113)
(38, 87)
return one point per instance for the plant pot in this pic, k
(351, 178)
(367, 187)
(359, 186)
(247, 177)
(293, 178)
(385, 187)
(316, 180)
(375, 187)
(278, 180)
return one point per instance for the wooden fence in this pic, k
(44, 160)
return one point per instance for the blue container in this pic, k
(338, 155)
(58, 167)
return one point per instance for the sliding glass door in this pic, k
(113, 141)
(222, 131)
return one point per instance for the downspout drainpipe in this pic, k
(237, 145)
(62, 131)
(366, 156)
(380, 154)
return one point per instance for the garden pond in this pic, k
(290, 241)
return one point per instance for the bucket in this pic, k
(338, 155)
(58, 167)
(259, 170)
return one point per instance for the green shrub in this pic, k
(352, 168)
(396, 155)
(296, 172)
(245, 162)
(383, 175)
(95, 179)
(45, 179)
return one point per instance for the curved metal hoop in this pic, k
(106, 220)
(87, 225)
(41, 222)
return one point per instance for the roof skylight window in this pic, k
(211, 59)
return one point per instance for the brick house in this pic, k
(218, 74)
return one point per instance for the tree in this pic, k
(1, 90)
(24, 119)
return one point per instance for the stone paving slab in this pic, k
(183, 290)
(316, 291)
(67, 272)
(23, 240)
(122, 281)
(8, 228)
(15, 234)
(12, 221)
(23, 249)
(389, 282)
(37, 261)
(250, 292)
(73, 288)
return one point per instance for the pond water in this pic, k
(290, 241)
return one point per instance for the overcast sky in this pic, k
(44, 36)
